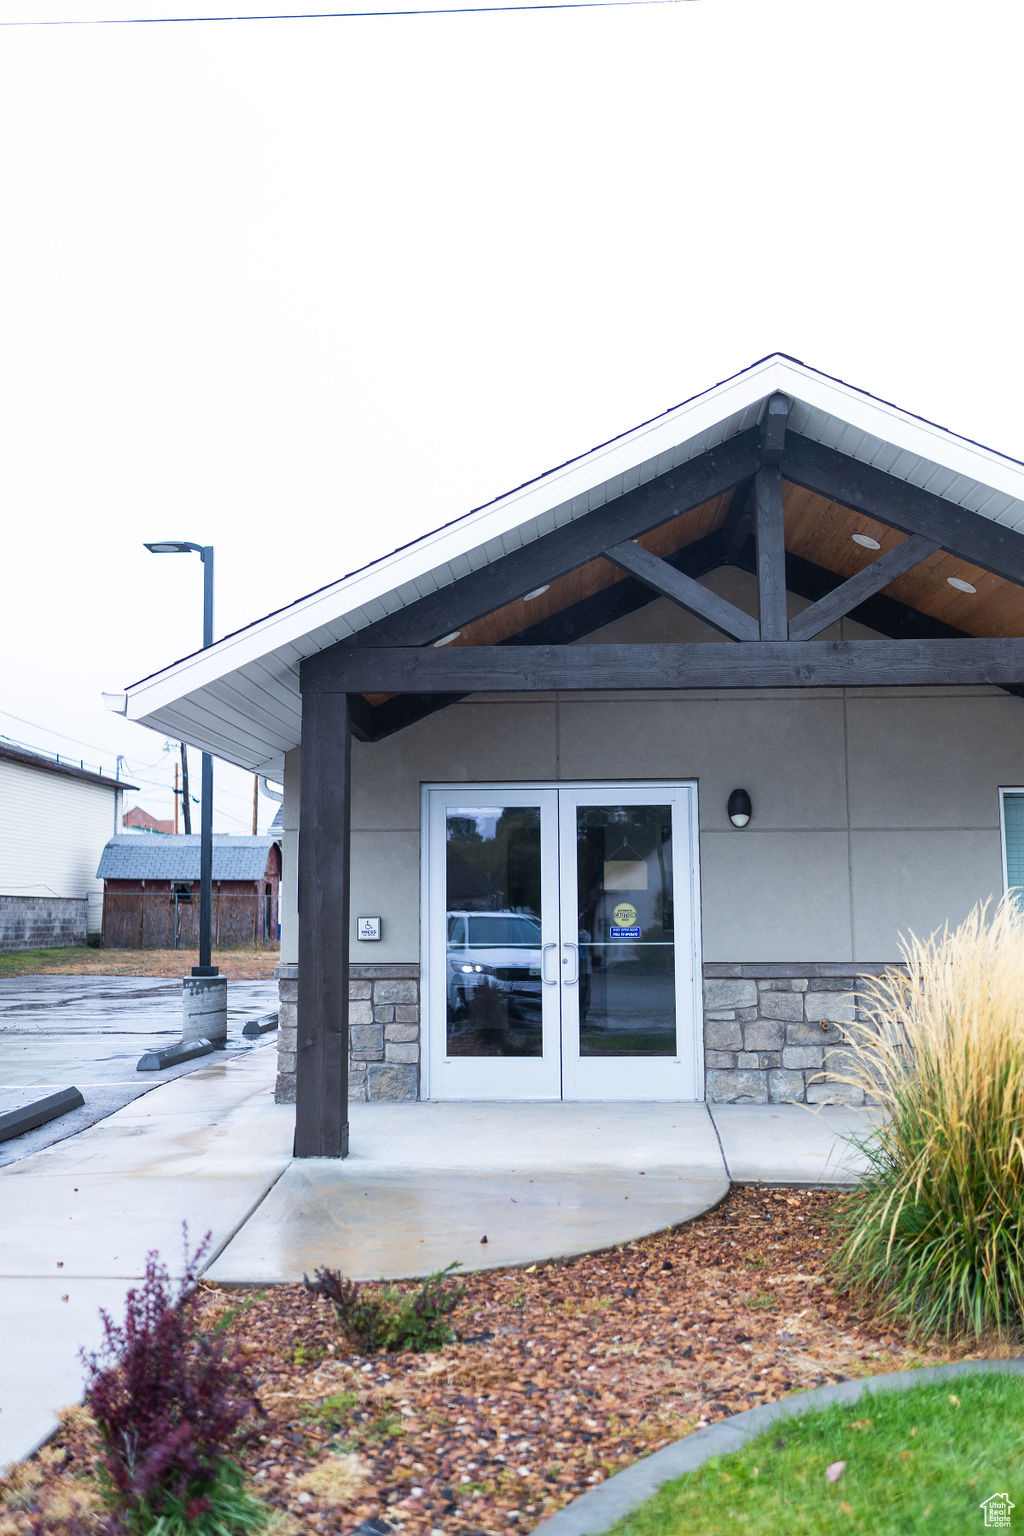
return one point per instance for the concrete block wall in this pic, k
(774, 1038)
(43, 922)
(384, 1032)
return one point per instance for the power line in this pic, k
(446, 10)
(45, 728)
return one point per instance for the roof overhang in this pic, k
(240, 698)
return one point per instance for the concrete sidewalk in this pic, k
(425, 1183)
(79, 1218)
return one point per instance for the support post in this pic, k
(321, 1068)
(771, 554)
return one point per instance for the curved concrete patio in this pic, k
(424, 1184)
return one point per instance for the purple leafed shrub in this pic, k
(168, 1402)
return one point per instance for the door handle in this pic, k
(570, 981)
(549, 981)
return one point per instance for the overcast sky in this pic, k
(306, 289)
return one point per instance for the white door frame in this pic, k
(689, 984)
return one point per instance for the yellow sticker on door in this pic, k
(623, 924)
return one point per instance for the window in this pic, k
(182, 891)
(1012, 821)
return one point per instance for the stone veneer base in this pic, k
(774, 1033)
(384, 1032)
(771, 1031)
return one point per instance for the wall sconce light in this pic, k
(739, 808)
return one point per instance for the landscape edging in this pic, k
(596, 1511)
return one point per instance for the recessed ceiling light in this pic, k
(959, 585)
(865, 541)
(447, 639)
(537, 592)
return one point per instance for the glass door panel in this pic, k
(493, 916)
(494, 925)
(562, 942)
(627, 1004)
(627, 1001)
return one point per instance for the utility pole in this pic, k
(175, 799)
(185, 802)
(255, 803)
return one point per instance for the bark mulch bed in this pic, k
(563, 1374)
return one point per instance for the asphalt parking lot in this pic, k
(88, 1032)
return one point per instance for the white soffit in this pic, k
(240, 698)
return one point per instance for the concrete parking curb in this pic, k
(15, 1122)
(596, 1511)
(170, 1055)
(261, 1025)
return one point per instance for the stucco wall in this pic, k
(875, 811)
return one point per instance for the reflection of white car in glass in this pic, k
(499, 949)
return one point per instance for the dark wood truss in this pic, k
(397, 656)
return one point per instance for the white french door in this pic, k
(562, 942)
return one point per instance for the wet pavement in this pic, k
(78, 1218)
(425, 1183)
(88, 1032)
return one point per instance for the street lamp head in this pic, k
(174, 547)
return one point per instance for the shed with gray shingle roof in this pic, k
(151, 890)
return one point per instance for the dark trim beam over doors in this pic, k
(746, 664)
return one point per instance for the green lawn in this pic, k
(920, 1461)
(80, 960)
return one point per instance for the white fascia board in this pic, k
(892, 425)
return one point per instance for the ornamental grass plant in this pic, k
(935, 1231)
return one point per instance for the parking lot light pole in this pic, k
(205, 553)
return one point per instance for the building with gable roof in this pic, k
(55, 816)
(151, 890)
(640, 766)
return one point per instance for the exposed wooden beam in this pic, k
(689, 594)
(850, 594)
(361, 717)
(885, 615)
(753, 664)
(771, 553)
(738, 522)
(773, 428)
(572, 623)
(321, 1075)
(865, 489)
(566, 548)
(894, 620)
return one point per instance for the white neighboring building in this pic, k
(55, 821)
